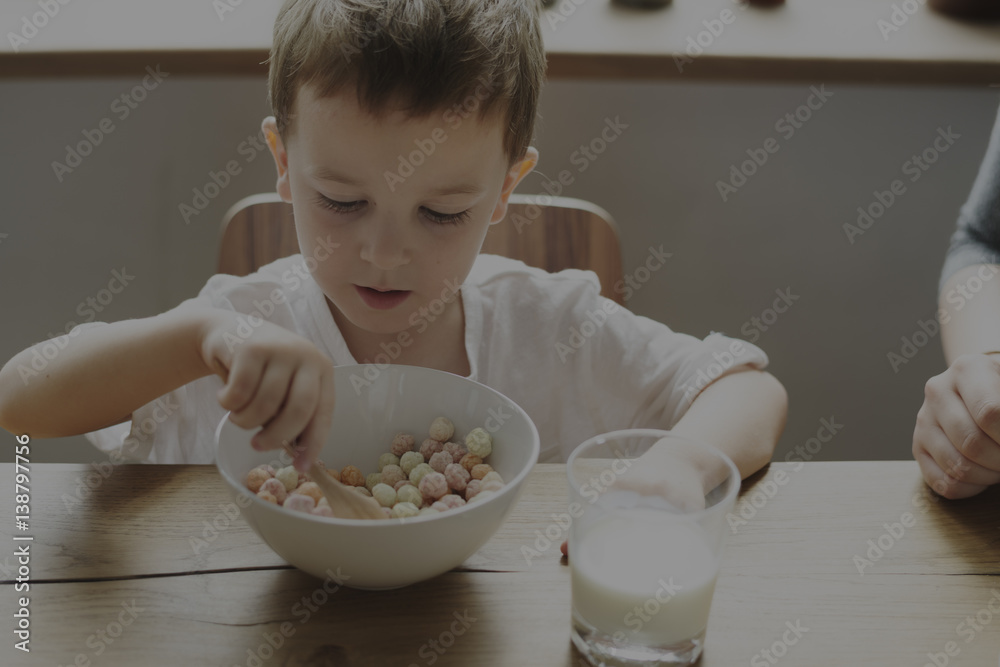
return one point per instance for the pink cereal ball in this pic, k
(322, 510)
(456, 476)
(492, 485)
(472, 488)
(275, 488)
(430, 447)
(440, 506)
(310, 489)
(481, 470)
(457, 450)
(402, 443)
(392, 474)
(264, 495)
(255, 478)
(400, 484)
(433, 485)
(452, 501)
(299, 503)
(440, 460)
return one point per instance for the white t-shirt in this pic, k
(575, 361)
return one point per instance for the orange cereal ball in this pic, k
(402, 443)
(264, 495)
(352, 476)
(310, 489)
(255, 478)
(470, 461)
(441, 429)
(430, 447)
(481, 470)
(479, 442)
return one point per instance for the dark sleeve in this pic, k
(977, 239)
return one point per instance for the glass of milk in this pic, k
(645, 544)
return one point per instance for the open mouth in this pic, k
(381, 299)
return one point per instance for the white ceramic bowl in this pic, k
(372, 405)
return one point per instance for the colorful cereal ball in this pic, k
(402, 443)
(428, 510)
(255, 478)
(472, 488)
(409, 494)
(433, 485)
(457, 477)
(492, 486)
(322, 510)
(479, 442)
(384, 494)
(351, 476)
(470, 461)
(388, 512)
(482, 495)
(275, 488)
(403, 510)
(430, 447)
(264, 495)
(310, 489)
(409, 461)
(440, 461)
(387, 459)
(418, 473)
(400, 484)
(492, 476)
(441, 429)
(288, 476)
(372, 479)
(391, 474)
(363, 491)
(451, 501)
(481, 470)
(456, 450)
(299, 503)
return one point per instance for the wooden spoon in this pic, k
(345, 503)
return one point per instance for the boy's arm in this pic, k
(105, 373)
(972, 321)
(741, 414)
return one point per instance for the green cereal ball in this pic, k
(418, 473)
(384, 494)
(403, 510)
(387, 459)
(491, 476)
(427, 510)
(441, 429)
(479, 442)
(409, 461)
(410, 495)
(373, 479)
(289, 478)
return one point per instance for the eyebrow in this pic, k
(327, 174)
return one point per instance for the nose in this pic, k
(384, 243)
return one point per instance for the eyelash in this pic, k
(350, 207)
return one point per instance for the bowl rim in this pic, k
(509, 487)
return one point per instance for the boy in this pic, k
(399, 133)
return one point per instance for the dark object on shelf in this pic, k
(968, 9)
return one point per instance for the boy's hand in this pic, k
(274, 378)
(956, 437)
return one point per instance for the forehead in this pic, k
(334, 133)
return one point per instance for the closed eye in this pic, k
(434, 216)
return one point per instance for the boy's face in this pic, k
(407, 202)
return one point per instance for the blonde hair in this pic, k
(421, 56)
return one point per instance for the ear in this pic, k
(280, 155)
(513, 177)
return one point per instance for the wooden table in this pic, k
(122, 564)
(883, 41)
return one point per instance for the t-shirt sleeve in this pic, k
(977, 237)
(179, 426)
(646, 370)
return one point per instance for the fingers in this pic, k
(241, 385)
(271, 388)
(300, 398)
(935, 443)
(941, 483)
(316, 431)
(977, 382)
